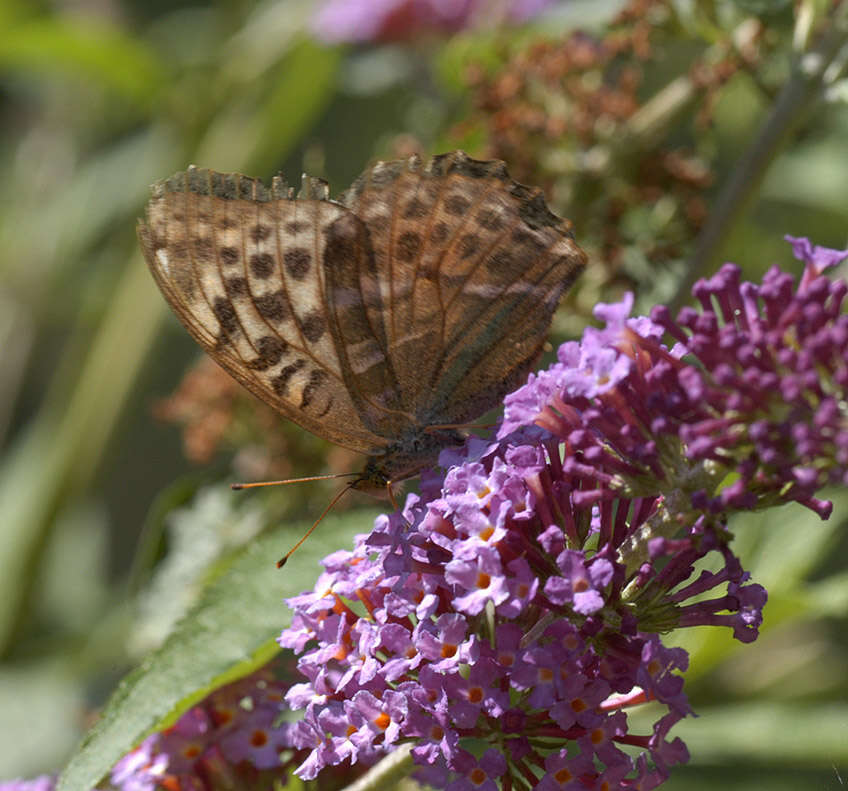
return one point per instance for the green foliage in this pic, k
(86, 50)
(230, 632)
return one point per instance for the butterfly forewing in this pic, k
(418, 300)
(242, 267)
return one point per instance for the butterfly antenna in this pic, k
(257, 484)
(283, 560)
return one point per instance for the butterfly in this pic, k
(380, 320)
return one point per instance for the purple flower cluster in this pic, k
(507, 618)
(393, 20)
(752, 388)
(468, 617)
(236, 738)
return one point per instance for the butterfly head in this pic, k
(375, 481)
(405, 459)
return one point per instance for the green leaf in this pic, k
(88, 48)
(783, 546)
(231, 632)
(296, 102)
(771, 733)
(257, 131)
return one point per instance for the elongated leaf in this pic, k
(769, 733)
(231, 632)
(88, 48)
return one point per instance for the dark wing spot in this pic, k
(316, 380)
(468, 245)
(259, 233)
(295, 228)
(235, 286)
(407, 246)
(262, 265)
(226, 315)
(297, 262)
(457, 205)
(202, 249)
(415, 210)
(225, 223)
(490, 220)
(270, 351)
(427, 272)
(440, 232)
(341, 236)
(313, 326)
(272, 306)
(229, 255)
(280, 383)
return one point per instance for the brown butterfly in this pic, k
(413, 303)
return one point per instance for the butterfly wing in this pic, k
(471, 267)
(242, 266)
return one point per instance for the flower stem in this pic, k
(386, 774)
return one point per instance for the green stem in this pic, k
(64, 446)
(790, 110)
(386, 774)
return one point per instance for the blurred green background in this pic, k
(670, 135)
